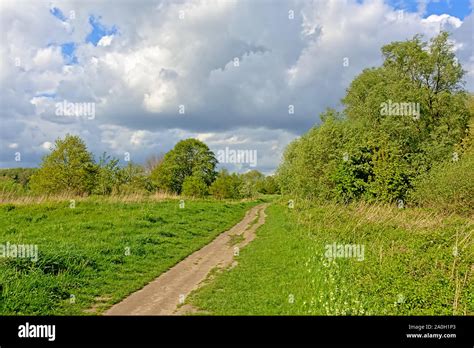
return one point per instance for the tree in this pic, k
(188, 157)
(309, 162)
(269, 186)
(194, 186)
(132, 179)
(108, 175)
(399, 120)
(404, 146)
(226, 185)
(152, 162)
(68, 168)
(252, 183)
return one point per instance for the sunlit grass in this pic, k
(410, 266)
(83, 260)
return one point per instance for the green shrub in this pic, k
(194, 186)
(19, 176)
(448, 186)
(226, 186)
(252, 183)
(68, 168)
(8, 185)
(365, 152)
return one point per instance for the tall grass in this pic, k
(98, 252)
(11, 198)
(415, 263)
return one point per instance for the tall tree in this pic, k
(188, 157)
(399, 120)
(152, 162)
(68, 168)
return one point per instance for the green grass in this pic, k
(82, 251)
(408, 269)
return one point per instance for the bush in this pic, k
(19, 176)
(448, 186)
(8, 185)
(367, 152)
(226, 186)
(133, 179)
(68, 168)
(194, 186)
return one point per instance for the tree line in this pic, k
(188, 169)
(404, 134)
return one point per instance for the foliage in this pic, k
(226, 185)
(15, 180)
(20, 176)
(68, 168)
(252, 183)
(194, 186)
(310, 160)
(188, 157)
(367, 153)
(133, 179)
(268, 186)
(108, 175)
(449, 185)
(10, 186)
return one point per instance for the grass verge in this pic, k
(415, 262)
(98, 252)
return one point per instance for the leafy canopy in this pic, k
(68, 168)
(367, 152)
(188, 157)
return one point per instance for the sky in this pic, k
(239, 75)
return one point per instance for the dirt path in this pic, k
(163, 295)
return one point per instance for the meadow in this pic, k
(96, 251)
(416, 262)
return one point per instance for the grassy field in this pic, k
(98, 252)
(410, 265)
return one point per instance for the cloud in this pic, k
(47, 145)
(444, 21)
(49, 58)
(105, 40)
(228, 72)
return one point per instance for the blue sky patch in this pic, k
(56, 12)
(67, 50)
(456, 8)
(98, 30)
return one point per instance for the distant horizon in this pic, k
(242, 75)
